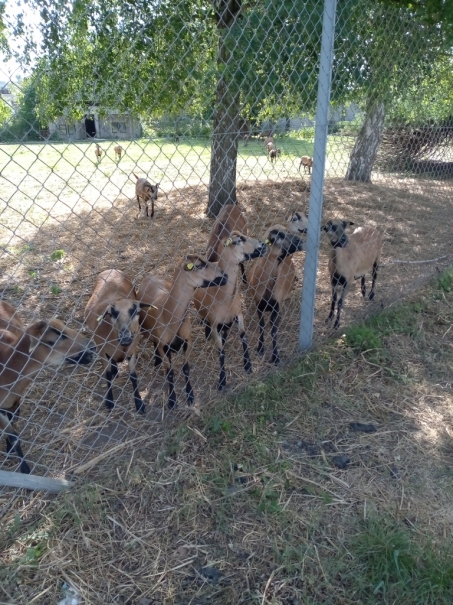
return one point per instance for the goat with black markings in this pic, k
(298, 223)
(273, 153)
(23, 353)
(272, 279)
(220, 307)
(350, 258)
(169, 327)
(112, 313)
(147, 193)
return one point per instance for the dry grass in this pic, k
(252, 493)
(251, 490)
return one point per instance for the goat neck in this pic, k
(178, 300)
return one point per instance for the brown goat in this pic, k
(98, 153)
(169, 327)
(112, 313)
(350, 258)
(147, 192)
(273, 153)
(23, 353)
(307, 162)
(118, 152)
(220, 307)
(229, 219)
(272, 280)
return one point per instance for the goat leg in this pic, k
(245, 344)
(186, 372)
(111, 372)
(13, 444)
(261, 336)
(12, 440)
(375, 268)
(275, 320)
(220, 339)
(152, 207)
(363, 286)
(340, 306)
(332, 304)
(139, 405)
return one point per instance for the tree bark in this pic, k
(367, 144)
(224, 149)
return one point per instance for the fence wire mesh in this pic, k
(212, 103)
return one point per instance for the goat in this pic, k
(307, 162)
(169, 327)
(98, 153)
(298, 223)
(269, 147)
(350, 258)
(23, 352)
(112, 313)
(273, 153)
(147, 192)
(269, 140)
(220, 307)
(230, 219)
(272, 280)
(118, 152)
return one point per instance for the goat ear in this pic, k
(147, 306)
(37, 329)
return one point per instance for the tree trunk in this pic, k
(224, 150)
(367, 144)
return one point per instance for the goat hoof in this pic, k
(371, 296)
(140, 407)
(109, 404)
(248, 369)
(24, 468)
(275, 360)
(222, 387)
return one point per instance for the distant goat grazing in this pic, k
(272, 280)
(269, 141)
(169, 327)
(98, 153)
(229, 219)
(270, 147)
(307, 162)
(147, 192)
(112, 313)
(273, 153)
(350, 258)
(23, 353)
(219, 307)
(118, 152)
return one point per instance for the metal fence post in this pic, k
(307, 308)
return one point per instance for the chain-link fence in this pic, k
(127, 128)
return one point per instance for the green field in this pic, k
(39, 181)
